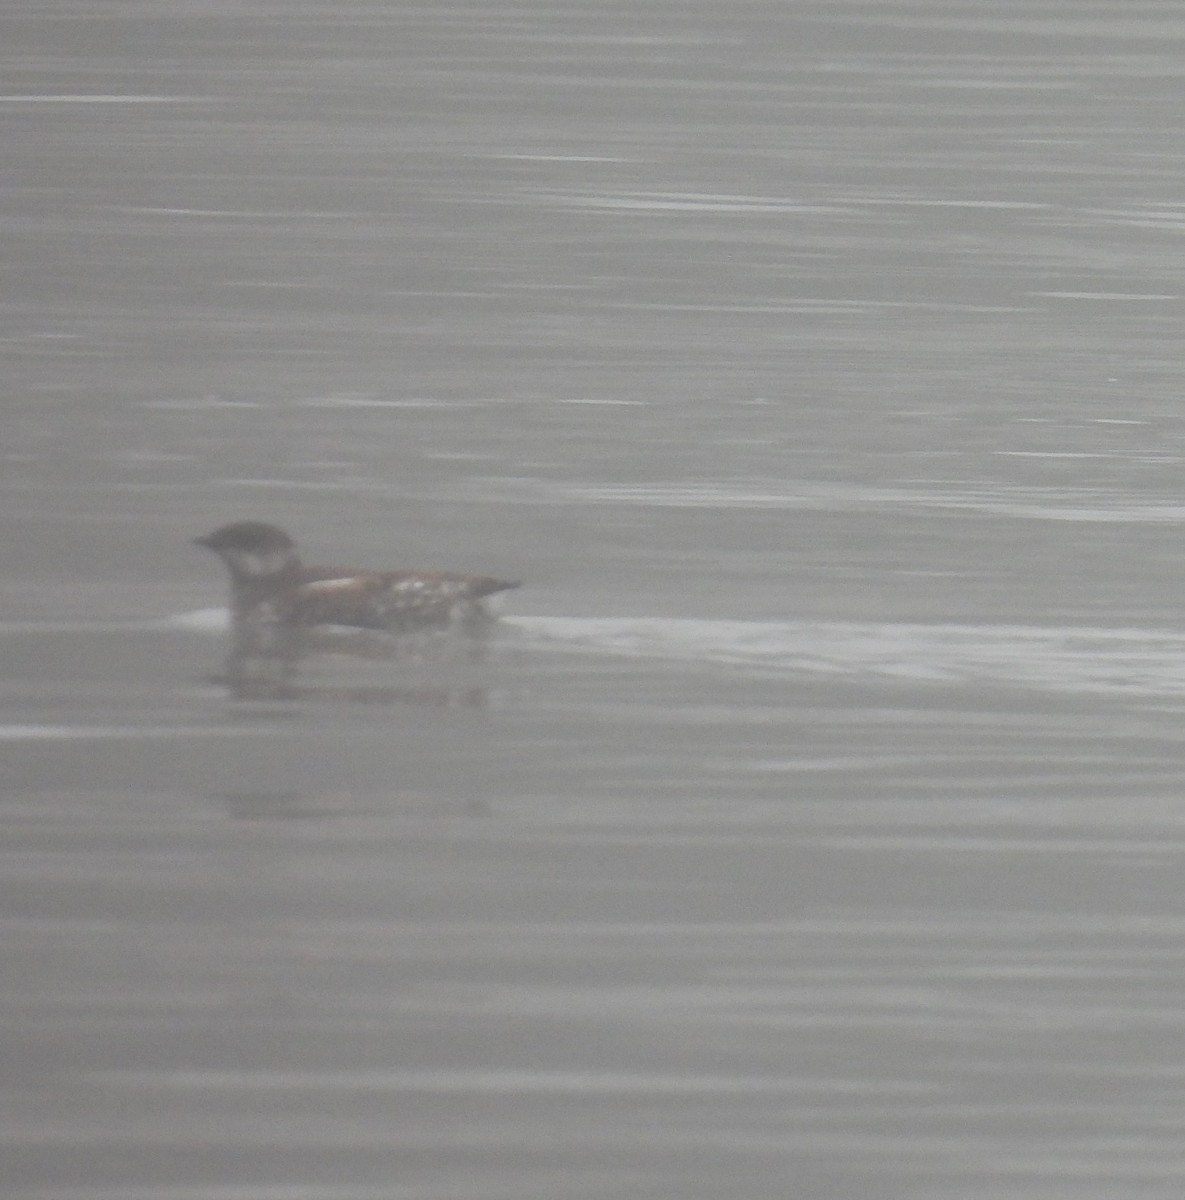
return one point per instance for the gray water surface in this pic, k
(811, 825)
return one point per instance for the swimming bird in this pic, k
(276, 599)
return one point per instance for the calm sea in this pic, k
(813, 825)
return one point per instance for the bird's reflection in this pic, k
(449, 659)
(328, 805)
(286, 806)
(248, 687)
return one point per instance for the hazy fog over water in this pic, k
(811, 825)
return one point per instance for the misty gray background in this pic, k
(812, 826)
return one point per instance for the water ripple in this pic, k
(1065, 659)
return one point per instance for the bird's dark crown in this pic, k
(253, 552)
(255, 537)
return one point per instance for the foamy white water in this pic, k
(1063, 659)
(202, 620)
(1134, 662)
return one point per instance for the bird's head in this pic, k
(252, 550)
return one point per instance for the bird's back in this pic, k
(392, 600)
